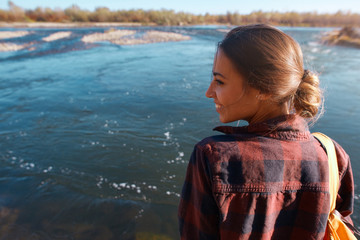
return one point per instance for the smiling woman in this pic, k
(271, 71)
(235, 99)
(270, 179)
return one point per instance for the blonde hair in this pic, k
(307, 100)
(272, 62)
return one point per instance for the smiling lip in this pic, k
(218, 107)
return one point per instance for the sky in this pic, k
(199, 6)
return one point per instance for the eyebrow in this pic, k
(216, 73)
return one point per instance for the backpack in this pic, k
(336, 227)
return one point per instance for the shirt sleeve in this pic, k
(345, 198)
(198, 211)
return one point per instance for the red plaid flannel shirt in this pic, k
(264, 181)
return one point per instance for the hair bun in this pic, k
(308, 97)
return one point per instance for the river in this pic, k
(95, 138)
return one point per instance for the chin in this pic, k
(229, 120)
(224, 120)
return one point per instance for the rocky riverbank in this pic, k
(109, 35)
(152, 37)
(64, 25)
(347, 36)
(115, 36)
(57, 36)
(10, 47)
(132, 37)
(12, 34)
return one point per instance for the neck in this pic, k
(269, 110)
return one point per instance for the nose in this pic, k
(209, 92)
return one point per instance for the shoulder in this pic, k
(217, 143)
(216, 139)
(343, 158)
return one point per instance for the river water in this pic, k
(95, 139)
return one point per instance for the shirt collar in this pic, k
(291, 127)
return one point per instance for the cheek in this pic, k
(231, 96)
(222, 94)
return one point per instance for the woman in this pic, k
(267, 180)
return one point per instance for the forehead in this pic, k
(224, 66)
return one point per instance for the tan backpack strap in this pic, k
(333, 167)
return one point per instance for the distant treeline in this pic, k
(170, 17)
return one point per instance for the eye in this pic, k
(219, 82)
